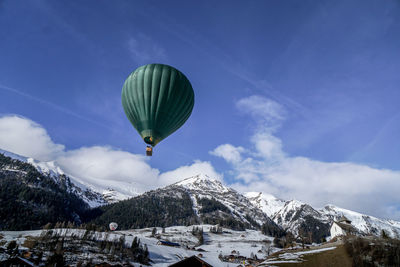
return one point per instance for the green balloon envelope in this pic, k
(157, 99)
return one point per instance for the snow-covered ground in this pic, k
(284, 212)
(202, 186)
(365, 223)
(257, 205)
(293, 257)
(99, 195)
(244, 243)
(269, 204)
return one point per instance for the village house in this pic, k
(191, 261)
(342, 227)
(168, 243)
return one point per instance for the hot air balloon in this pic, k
(157, 99)
(113, 226)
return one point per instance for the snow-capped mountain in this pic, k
(30, 199)
(269, 204)
(211, 201)
(51, 169)
(201, 187)
(364, 223)
(195, 200)
(295, 215)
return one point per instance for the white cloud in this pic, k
(228, 152)
(106, 167)
(99, 166)
(27, 138)
(265, 167)
(267, 113)
(267, 145)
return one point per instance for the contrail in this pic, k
(52, 105)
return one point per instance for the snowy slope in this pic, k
(300, 218)
(203, 183)
(292, 214)
(93, 195)
(201, 186)
(294, 211)
(12, 155)
(269, 204)
(244, 243)
(258, 206)
(364, 223)
(52, 170)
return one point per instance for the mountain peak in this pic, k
(202, 182)
(294, 203)
(45, 167)
(198, 178)
(266, 202)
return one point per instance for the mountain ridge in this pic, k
(251, 208)
(51, 169)
(290, 214)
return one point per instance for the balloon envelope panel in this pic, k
(157, 99)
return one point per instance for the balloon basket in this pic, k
(149, 151)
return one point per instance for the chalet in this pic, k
(233, 258)
(191, 261)
(342, 227)
(168, 243)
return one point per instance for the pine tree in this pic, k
(384, 234)
(135, 243)
(146, 251)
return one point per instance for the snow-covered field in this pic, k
(294, 257)
(244, 243)
(287, 214)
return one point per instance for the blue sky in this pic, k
(277, 84)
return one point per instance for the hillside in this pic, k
(154, 208)
(73, 246)
(30, 199)
(51, 170)
(191, 201)
(296, 216)
(330, 257)
(197, 199)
